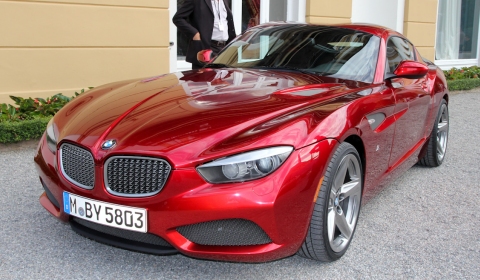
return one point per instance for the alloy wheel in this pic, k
(442, 133)
(344, 203)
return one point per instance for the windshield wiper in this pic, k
(289, 68)
(217, 65)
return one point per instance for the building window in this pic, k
(457, 30)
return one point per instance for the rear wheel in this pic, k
(337, 207)
(437, 144)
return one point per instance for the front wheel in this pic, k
(337, 207)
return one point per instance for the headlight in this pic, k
(245, 167)
(51, 138)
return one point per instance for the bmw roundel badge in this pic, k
(108, 144)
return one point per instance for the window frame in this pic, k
(387, 66)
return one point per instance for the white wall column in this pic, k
(237, 15)
(388, 13)
(400, 15)
(296, 10)
(264, 11)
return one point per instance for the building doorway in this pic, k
(246, 13)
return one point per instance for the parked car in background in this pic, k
(267, 151)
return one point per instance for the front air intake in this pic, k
(232, 232)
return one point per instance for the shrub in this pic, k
(11, 132)
(464, 84)
(28, 118)
(472, 72)
(29, 109)
(464, 78)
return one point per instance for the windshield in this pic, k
(323, 50)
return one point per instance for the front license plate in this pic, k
(113, 215)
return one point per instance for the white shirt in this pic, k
(220, 24)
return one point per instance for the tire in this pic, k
(337, 207)
(437, 144)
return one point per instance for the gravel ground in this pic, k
(424, 225)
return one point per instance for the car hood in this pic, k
(196, 115)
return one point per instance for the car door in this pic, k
(412, 103)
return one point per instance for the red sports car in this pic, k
(267, 151)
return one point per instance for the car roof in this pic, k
(374, 29)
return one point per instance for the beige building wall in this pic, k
(328, 11)
(420, 25)
(53, 46)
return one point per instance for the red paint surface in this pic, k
(208, 114)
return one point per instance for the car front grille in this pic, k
(231, 232)
(132, 176)
(77, 165)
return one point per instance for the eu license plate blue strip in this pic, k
(66, 202)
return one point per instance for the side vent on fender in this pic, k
(375, 120)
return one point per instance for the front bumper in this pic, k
(280, 205)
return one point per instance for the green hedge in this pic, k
(464, 84)
(11, 132)
(28, 118)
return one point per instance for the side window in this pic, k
(398, 50)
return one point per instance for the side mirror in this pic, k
(409, 69)
(204, 56)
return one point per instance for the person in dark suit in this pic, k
(207, 23)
